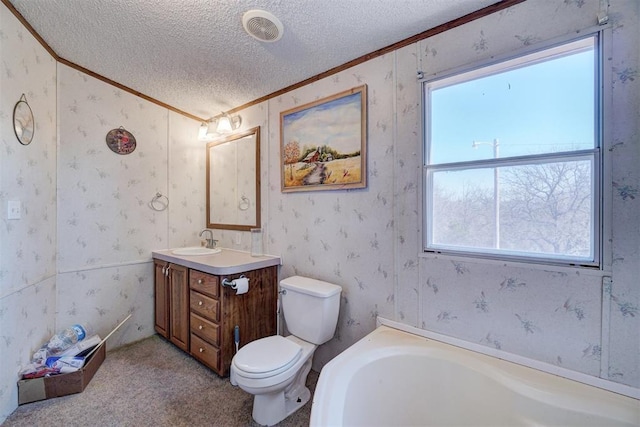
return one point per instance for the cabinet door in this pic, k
(161, 299)
(179, 306)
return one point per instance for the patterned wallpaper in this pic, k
(347, 236)
(82, 249)
(103, 205)
(33, 73)
(186, 184)
(567, 318)
(368, 241)
(623, 297)
(28, 175)
(103, 197)
(81, 252)
(104, 210)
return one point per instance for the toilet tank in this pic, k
(310, 308)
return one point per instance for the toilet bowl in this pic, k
(277, 382)
(274, 369)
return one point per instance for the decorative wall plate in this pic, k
(121, 141)
(23, 122)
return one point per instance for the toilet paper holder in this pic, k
(232, 283)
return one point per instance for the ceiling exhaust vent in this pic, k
(262, 25)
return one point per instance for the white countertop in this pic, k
(228, 261)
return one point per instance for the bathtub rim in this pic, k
(332, 387)
(580, 377)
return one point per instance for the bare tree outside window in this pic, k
(535, 195)
(547, 208)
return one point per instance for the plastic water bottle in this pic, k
(65, 339)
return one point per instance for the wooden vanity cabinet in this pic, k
(204, 318)
(161, 298)
(198, 314)
(216, 310)
(172, 303)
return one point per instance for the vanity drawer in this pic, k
(205, 306)
(205, 352)
(205, 329)
(204, 283)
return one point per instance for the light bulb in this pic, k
(224, 125)
(202, 131)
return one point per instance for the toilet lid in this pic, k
(268, 356)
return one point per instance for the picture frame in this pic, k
(121, 141)
(323, 143)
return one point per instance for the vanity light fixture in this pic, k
(221, 124)
(225, 125)
(202, 131)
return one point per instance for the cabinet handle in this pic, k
(166, 273)
(201, 350)
(200, 327)
(199, 302)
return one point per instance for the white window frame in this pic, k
(601, 167)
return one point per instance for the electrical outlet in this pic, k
(238, 238)
(14, 209)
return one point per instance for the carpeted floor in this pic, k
(152, 383)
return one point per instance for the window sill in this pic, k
(582, 270)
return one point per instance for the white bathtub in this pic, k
(394, 378)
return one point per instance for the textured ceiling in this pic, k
(195, 56)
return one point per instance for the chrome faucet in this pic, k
(211, 243)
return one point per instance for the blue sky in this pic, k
(540, 108)
(336, 123)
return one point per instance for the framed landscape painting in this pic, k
(323, 143)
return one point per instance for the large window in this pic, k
(512, 160)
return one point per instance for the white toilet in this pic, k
(275, 368)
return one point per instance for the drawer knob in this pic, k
(201, 350)
(199, 281)
(199, 302)
(200, 327)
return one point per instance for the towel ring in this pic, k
(159, 202)
(244, 203)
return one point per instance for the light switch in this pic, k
(14, 209)
(238, 238)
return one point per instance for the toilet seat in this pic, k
(266, 357)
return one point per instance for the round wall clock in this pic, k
(121, 141)
(23, 123)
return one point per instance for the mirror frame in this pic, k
(236, 136)
(23, 123)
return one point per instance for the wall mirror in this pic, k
(233, 181)
(23, 124)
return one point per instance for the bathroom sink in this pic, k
(196, 250)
